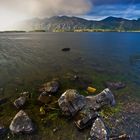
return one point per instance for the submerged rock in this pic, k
(43, 98)
(50, 87)
(3, 100)
(20, 102)
(21, 123)
(71, 102)
(2, 130)
(99, 131)
(66, 49)
(115, 85)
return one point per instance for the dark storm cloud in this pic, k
(114, 2)
(131, 11)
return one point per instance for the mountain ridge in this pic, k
(66, 23)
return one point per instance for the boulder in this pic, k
(115, 85)
(50, 87)
(106, 97)
(20, 102)
(85, 118)
(99, 131)
(71, 102)
(21, 123)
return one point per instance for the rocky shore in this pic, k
(83, 111)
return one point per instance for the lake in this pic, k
(28, 59)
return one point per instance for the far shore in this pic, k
(57, 31)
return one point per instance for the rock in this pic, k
(99, 131)
(84, 109)
(2, 130)
(43, 98)
(106, 97)
(66, 49)
(85, 118)
(20, 102)
(21, 123)
(121, 137)
(115, 85)
(50, 87)
(25, 94)
(3, 100)
(71, 102)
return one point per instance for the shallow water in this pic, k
(29, 59)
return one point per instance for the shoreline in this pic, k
(53, 124)
(69, 31)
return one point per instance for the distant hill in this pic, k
(66, 24)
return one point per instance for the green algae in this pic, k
(111, 111)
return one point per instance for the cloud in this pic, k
(124, 11)
(114, 2)
(23, 9)
(43, 8)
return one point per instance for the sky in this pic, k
(12, 11)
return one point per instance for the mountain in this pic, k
(65, 23)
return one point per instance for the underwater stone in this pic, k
(66, 49)
(50, 87)
(115, 85)
(2, 130)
